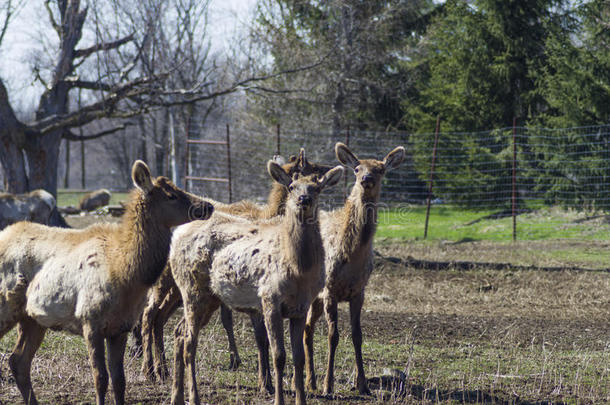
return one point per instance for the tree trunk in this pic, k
(42, 155)
(12, 134)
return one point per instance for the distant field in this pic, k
(454, 224)
(70, 197)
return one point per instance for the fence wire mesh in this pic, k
(567, 168)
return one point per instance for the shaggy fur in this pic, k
(274, 268)
(165, 298)
(91, 281)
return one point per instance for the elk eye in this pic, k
(290, 188)
(356, 170)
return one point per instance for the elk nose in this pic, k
(201, 211)
(367, 180)
(304, 200)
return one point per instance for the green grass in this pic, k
(70, 197)
(449, 223)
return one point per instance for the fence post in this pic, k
(514, 196)
(277, 140)
(187, 155)
(438, 121)
(229, 164)
(345, 171)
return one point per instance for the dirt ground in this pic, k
(438, 328)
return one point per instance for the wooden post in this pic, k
(229, 162)
(438, 120)
(187, 156)
(345, 171)
(82, 159)
(514, 197)
(67, 176)
(277, 139)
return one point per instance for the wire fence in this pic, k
(502, 172)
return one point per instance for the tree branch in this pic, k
(74, 81)
(83, 53)
(54, 24)
(103, 108)
(70, 136)
(11, 11)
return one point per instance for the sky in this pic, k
(30, 29)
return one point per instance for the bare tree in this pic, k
(112, 71)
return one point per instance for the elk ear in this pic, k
(332, 177)
(346, 156)
(302, 159)
(279, 159)
(278, 174)
(394, 158)
(140, 174)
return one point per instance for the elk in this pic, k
(35, 206)
(165, 298)
(348, 244)
(274, 268)
(91, 281)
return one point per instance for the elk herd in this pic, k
(287, 259)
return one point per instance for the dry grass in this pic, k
(481, 335)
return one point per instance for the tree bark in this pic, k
(12, 134)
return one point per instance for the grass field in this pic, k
(443, 336)
(458, 318)
(454, 224)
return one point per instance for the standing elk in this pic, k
(348, 243)
(91, 281)
(274, 268)
(165, 298)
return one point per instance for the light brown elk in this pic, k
(274, 268)
(91, 281)
(348, 244)
(165, 298)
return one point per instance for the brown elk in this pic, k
(275, 268)
(165, 298)
(92, 281)
(348, 244)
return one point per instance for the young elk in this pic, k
(91, 281)
(165, 298)
(275, 268)
(348, 244)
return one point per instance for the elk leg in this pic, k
(297, 327)
(275, 332)
(355, 308)
(95, 347)
(196, 316)
(29, 338)
(330, 308)
(226, 316)
(116, 355)
(170, 304)
(178, 379)
(314, 313)
(264, 371)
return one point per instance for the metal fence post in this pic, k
(229, 165)
(277, 140)
(514, 196)
(345, 171)
(438, 120)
